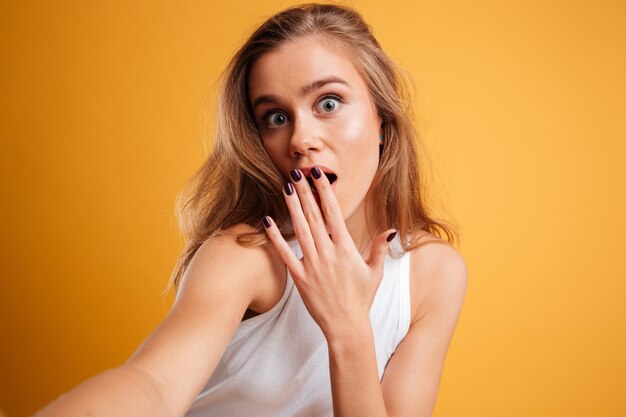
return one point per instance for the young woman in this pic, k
(313, 282)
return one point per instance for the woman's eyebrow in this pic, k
(307, 89)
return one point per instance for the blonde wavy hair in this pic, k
(238, 183)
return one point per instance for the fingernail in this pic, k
(288, 188)
(295, 174)
(391, 236)
(316, 173)
(266, 222)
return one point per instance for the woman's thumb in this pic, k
(380, 248)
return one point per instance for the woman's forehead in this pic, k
(300, 63)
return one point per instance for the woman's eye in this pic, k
(274, 119)
(329, 104)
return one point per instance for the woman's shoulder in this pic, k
(436, 266)
(262, 261)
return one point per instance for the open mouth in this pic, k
(331, 178)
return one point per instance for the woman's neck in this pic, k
(363, 232)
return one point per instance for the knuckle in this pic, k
(304, 189)
(284, 254)
(303, 281)
(329, 260)
(313, 216)
(315, 270)
(344, 249)
(301, 229)
(329, 209)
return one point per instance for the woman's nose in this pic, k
(304, 138)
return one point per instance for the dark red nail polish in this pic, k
(315, 171)
(266, 222)
(295, 175)
(391, 236)
(288, 188)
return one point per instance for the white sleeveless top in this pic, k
(277, 362)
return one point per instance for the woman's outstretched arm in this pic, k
(169, 369)
(124, 390)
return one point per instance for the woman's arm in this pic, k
(338, 288)
(107, 393)
(411, 379)
(174, 363)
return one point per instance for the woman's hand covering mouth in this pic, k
(332, 177)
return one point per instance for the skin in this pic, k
(336, 281)
(298, 130)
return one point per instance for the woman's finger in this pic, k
(380, 249)
(284, 250)
(330, 207)
(300, 223)
(312, 212)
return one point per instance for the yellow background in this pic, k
(523, 109)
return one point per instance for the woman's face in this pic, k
(312, 107)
